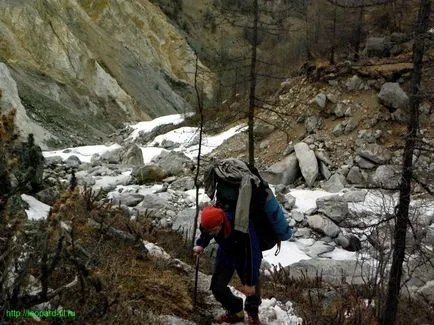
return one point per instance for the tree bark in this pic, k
(196, 176)
(252, 94)
(402, 218)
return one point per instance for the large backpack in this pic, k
(266, 212)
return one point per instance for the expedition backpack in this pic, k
(266, 212)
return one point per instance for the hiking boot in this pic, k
(230, 318)
(253, 319)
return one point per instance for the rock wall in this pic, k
(84, 67)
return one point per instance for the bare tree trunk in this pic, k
(252, 94)
(358, 36)
(196, 177)
(402, 220)
(333, 41)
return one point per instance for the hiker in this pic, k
(246, 220)
(237, 251)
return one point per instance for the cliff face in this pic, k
(82, 67)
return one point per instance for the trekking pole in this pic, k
(196, 278)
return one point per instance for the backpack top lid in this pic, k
(233, 171)
(230, 170)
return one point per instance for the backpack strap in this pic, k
(278, 244)
(242, 211)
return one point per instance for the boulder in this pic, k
(323, 225)
(364, 163)
(307, 162)
(174, 162)
(132, 156)
(148, 174)
(391, 95)
(72, 161)
(335, 183)
(283, 172)
(324, 171)
(321, 155)
(183, 184)
(320, 100)
(333, 207)
(355, 176)
(128, 199)
(261, 130)
(312, 124)
(378, 46)
(374, 153)
(354, 83)
(387, 176)
(349, 242)
(48, 195)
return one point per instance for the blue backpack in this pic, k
(266, 213)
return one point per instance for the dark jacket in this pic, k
(240, 249)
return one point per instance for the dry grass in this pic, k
(320, 302)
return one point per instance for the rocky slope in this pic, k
(81, 68)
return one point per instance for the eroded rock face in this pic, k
(100, 64)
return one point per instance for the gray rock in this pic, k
(364, 163)
(350, 126)
(182, 184)
(332, 270)
(349, 242)
(148, 174)
(113, 156)
(335, 183)
(128, 199)
(132, 156)
(154, 201)
(289, 202)
(318, 248)
(354, 196)
(320, 100)
(355, 176)
(302, 232)
(261, 130)
(333, 207)
(344, 170)
(354, 83)
(324, 171)
(427, 291)
(375, 153)
(322, 155)
(53, 161)
(283, 172)
(429, 237)
(84, 179)
(307, 162)
(378, 46)
(400, 115)
(340, 110)
(72, 161)
(174, 163)
(332, 98)
(312, 124)
(391, 95)
(169, 145)
(387, 176)
(339, 129)
(289, 149)
(11, 99)
(297, 215)
(323, 225)
(48, 195)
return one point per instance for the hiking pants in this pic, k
(223, 271)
